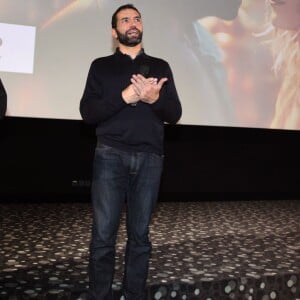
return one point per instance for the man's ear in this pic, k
(114, 33)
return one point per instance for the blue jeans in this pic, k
(119, 176)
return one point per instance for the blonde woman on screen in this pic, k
(285, 19)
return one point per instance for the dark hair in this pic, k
(114, 16)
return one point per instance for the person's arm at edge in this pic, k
(3, 99)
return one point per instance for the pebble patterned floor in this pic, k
(201, 250)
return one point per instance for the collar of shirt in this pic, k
(118, 53)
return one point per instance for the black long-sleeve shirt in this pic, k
(121, 125)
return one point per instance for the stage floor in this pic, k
(201, 250)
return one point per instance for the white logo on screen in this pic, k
(17, 43)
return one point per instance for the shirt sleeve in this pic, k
(168, 106)
(94, 106)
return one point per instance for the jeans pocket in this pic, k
(158, 156)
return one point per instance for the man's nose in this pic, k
(132, 26)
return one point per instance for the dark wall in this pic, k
(51, 160)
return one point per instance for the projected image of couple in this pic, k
(192, 50)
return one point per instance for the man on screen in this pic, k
(201, 75)
(128, 95)
(3, 100)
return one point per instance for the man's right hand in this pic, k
(129, 95)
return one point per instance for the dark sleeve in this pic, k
(168, 106)
(3, 100)
(94, 106)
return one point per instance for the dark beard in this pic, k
(125, 40)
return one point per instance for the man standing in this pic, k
(3, 100)
(129, 95)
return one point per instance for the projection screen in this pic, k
(220, 52)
